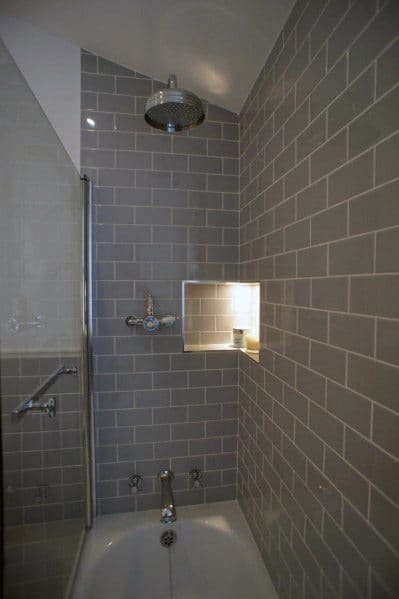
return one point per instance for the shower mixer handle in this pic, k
(150, 322)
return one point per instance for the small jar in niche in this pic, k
(239, 338)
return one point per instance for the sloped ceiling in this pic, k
(215, 47)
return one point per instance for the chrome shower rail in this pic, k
(27, 404)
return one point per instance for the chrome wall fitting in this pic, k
(135, 482)
(49, 406)
(150, 322)
(168, 510)
(195, 476)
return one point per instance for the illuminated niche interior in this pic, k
(211, 309)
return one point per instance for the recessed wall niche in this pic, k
(212, 309)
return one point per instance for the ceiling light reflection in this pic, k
(213, 79)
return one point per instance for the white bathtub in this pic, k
(214, 557)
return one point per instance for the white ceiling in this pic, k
(216, 47)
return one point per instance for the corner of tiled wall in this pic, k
(318, 441)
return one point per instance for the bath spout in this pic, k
(168, 510)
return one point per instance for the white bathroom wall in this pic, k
(51, 67)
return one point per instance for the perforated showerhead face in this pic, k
(174, 116)
(173, 110)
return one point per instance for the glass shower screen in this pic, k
(43, 349)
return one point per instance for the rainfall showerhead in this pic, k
(172, 109)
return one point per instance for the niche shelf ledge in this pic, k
(211, 309)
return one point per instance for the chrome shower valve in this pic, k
(150, 322)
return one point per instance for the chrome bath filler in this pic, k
(168, 510)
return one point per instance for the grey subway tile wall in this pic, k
(43, 470)
(167, 209)
(318, 424)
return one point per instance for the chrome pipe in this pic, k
(168, 510)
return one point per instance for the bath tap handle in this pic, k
(135, 481)
(196, 478)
